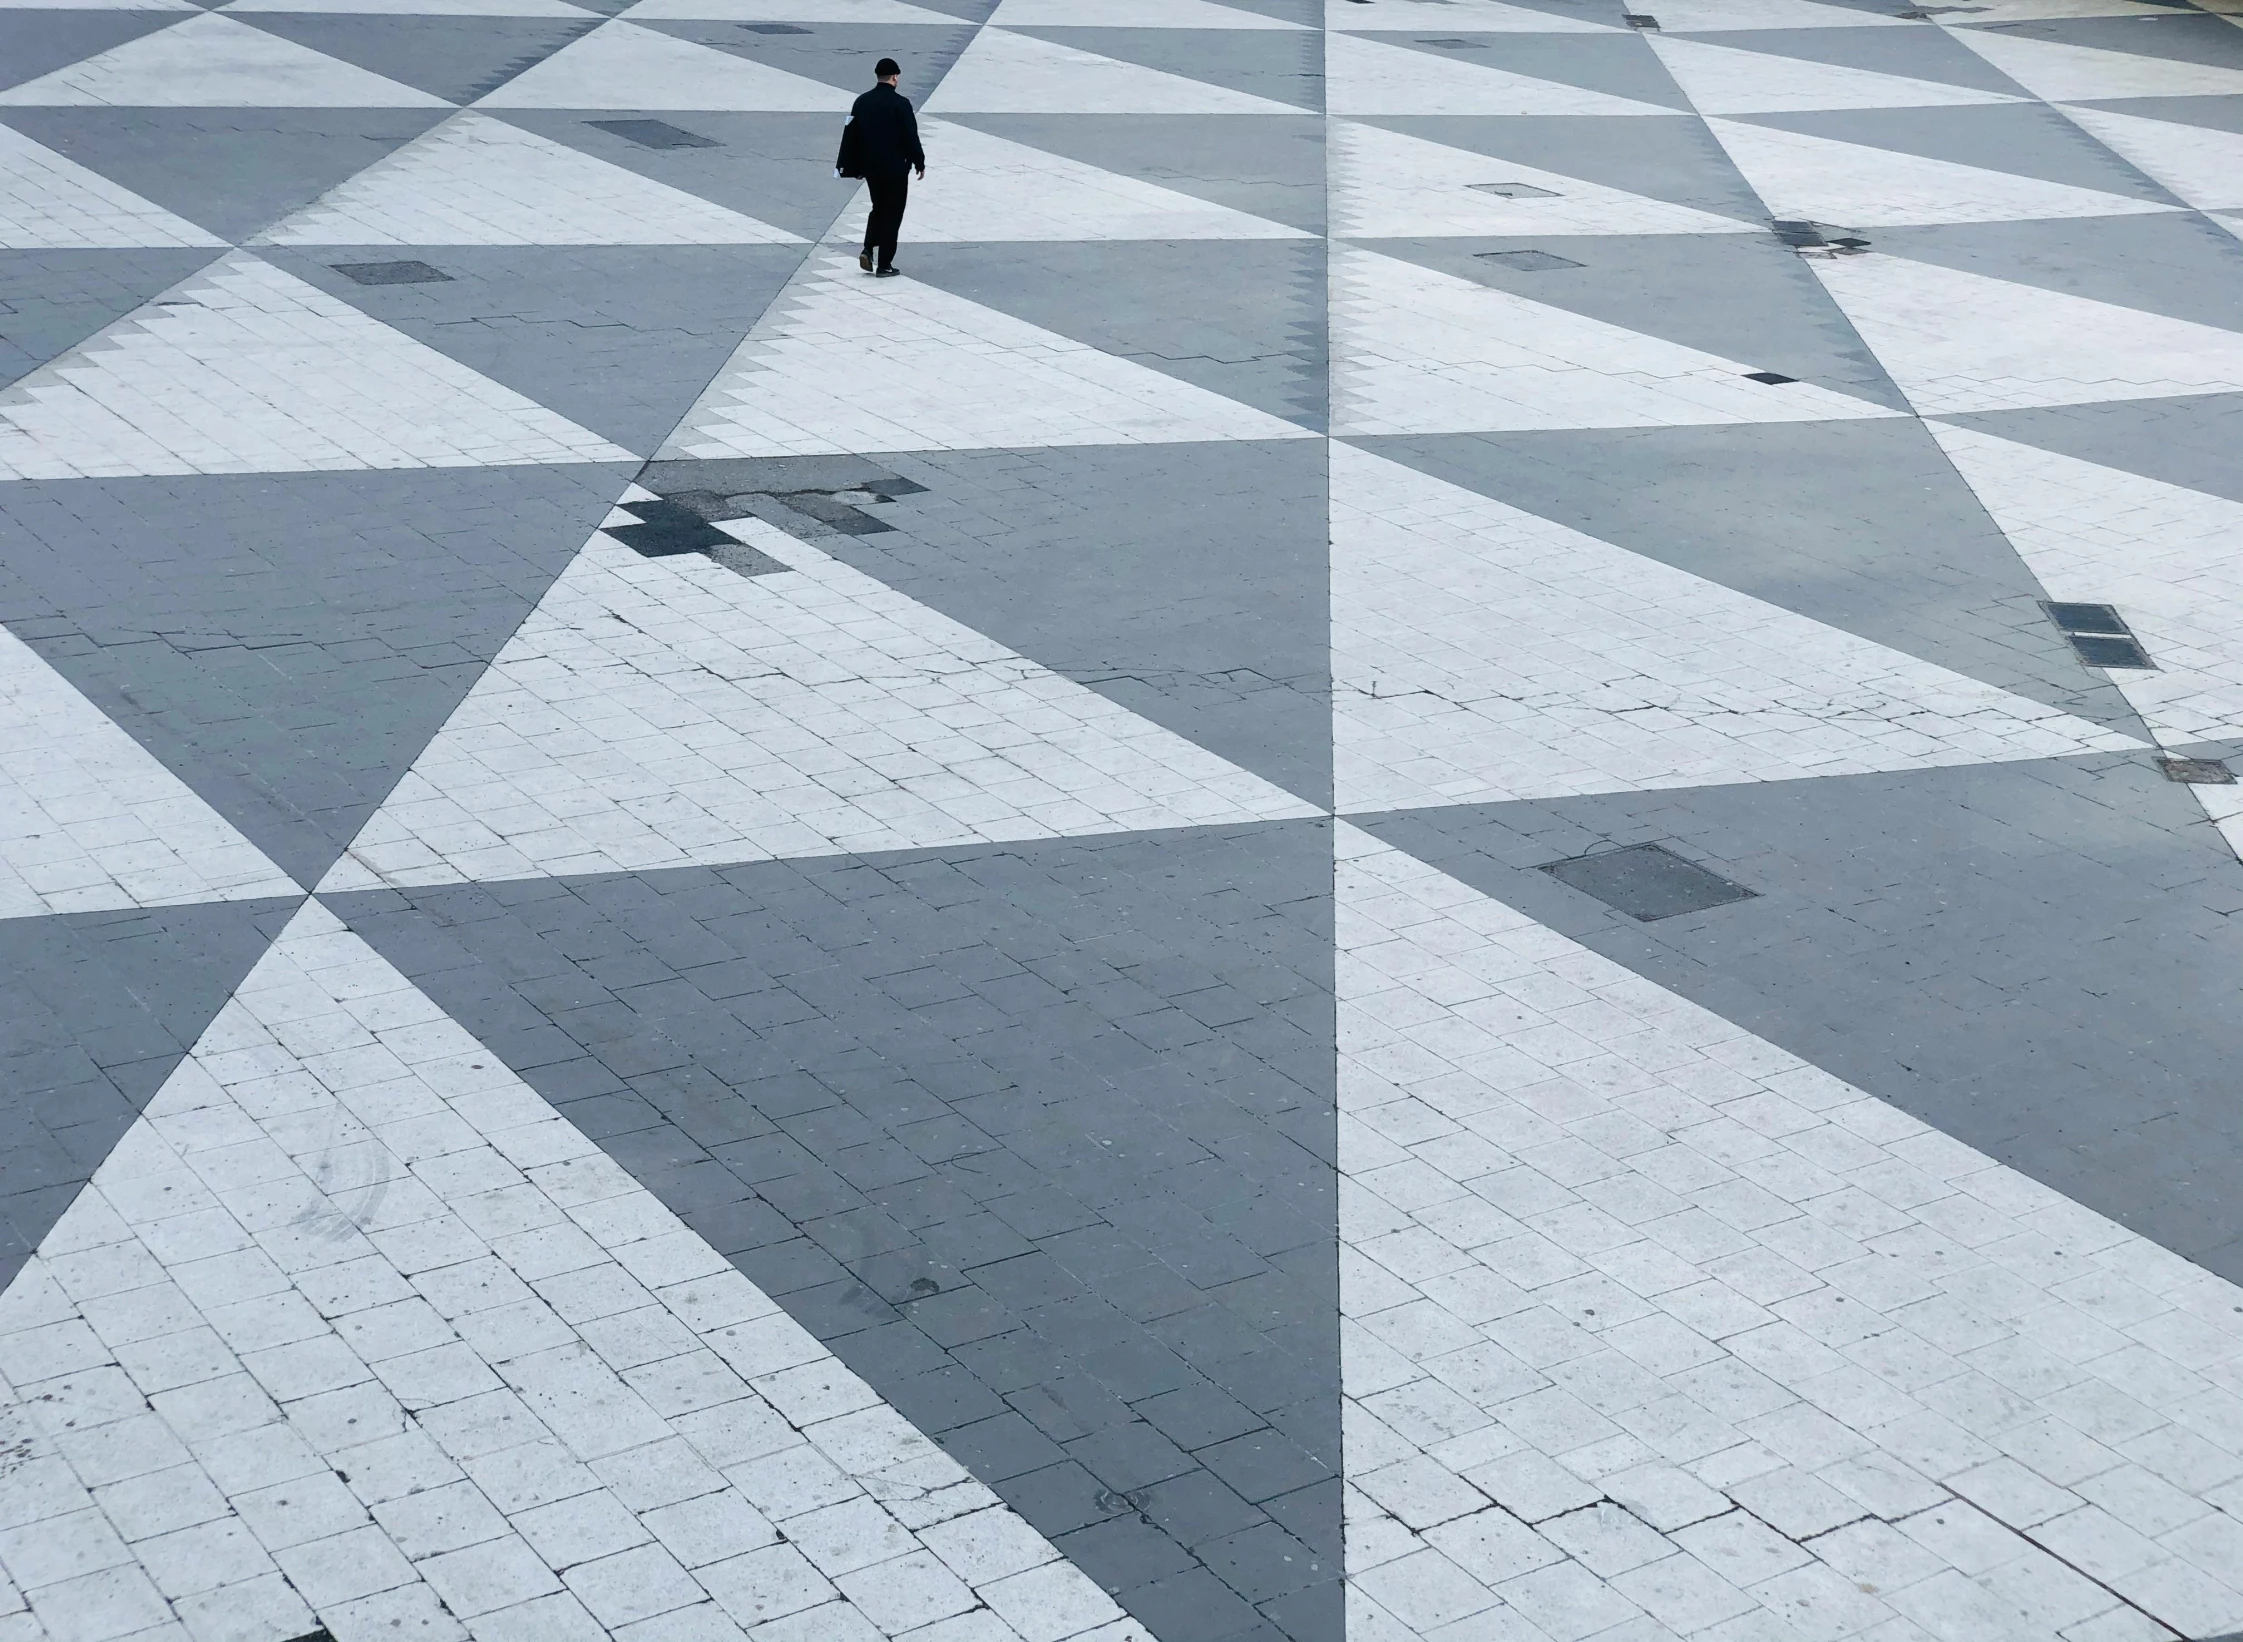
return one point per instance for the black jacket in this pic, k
(882, 136)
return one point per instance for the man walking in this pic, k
(881, 145)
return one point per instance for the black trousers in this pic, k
(890, 191)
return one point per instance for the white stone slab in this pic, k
(2201, 164)
(1373, 77)
(952, 375)
(1819, 179)
(1958, 341)
(1729, 80)
(90, 821)
(50, 202)
(670, 712)
(2062, 72)
(1001, 72)
(210, 61)
(479, 181)
(984, 188)
(1387, 185)
(1482, 654)
(1419, 351)
(245, 369)
(354, 1332)
(621, 65)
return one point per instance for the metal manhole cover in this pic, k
(2099, 635)
(1526, 262)
(1771, 378)
(2197, 772)
(1647, 882)
(390, 273)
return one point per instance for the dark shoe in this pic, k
(889, 272)
(864, 261)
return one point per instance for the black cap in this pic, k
(885, 67)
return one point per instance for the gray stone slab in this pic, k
(38, 41)
(2186, 37)
(287, 643)
(1863, 525)
(229, 170)
(971, 11)
(2189, 441)
(1621, 64)
(2178, 265)
(1310, 12)
(96, 1009)
(1675, 160)
(1243, 318)
(2216, 113)
(777, 168)
(459, 58)
(2025, 139)
(2036, 958)
(1038, 1138)
(1269, 164)
(50, 301)
(1922, 53)
(840, 54)
(1746, 297)
(1285, 66)
(1186, 582)
(621, 339)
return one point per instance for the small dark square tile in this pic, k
(1797, 235)
(2086, 618)
(654, 134)
(2197, 772)
(2105, 650)
(1647, 882)
(1772, 378)
(391, 273)
(775, 28)
(1515, 190)
(1447, 43)
(1527, 262)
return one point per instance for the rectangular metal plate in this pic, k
(2109, 650)
(2086, 618)
(1647, 882)
(2197, 772)
(390, 273)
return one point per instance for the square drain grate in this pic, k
(1526, 262)
(391, 273)
(2099, 635)
(1647, 882)
(1514, 190)
(1640, 20)
(654, 133)
(1772, 378)
(2197, 772)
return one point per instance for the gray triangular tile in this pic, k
(1282, 65)
(459, 58)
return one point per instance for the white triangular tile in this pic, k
(621, 65)
(90, 820)
(1419, 351)
(1712, 16)
(844, 363)
(478, 181)
(1473, 16)
(1006, 73)
(1372, 77)
(210, 61)
(1385, 185)
(1819, 179)
(338, 1219)
(1147, 14)
(2201, 164)
(1958, 341)
(246, 369)
(791, 11)
(1727, 80)
(420, 8)
(2062, 72)
(49, 202)
(2165, 556)
(669, 711)
(986, 188)
(1483, 654)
